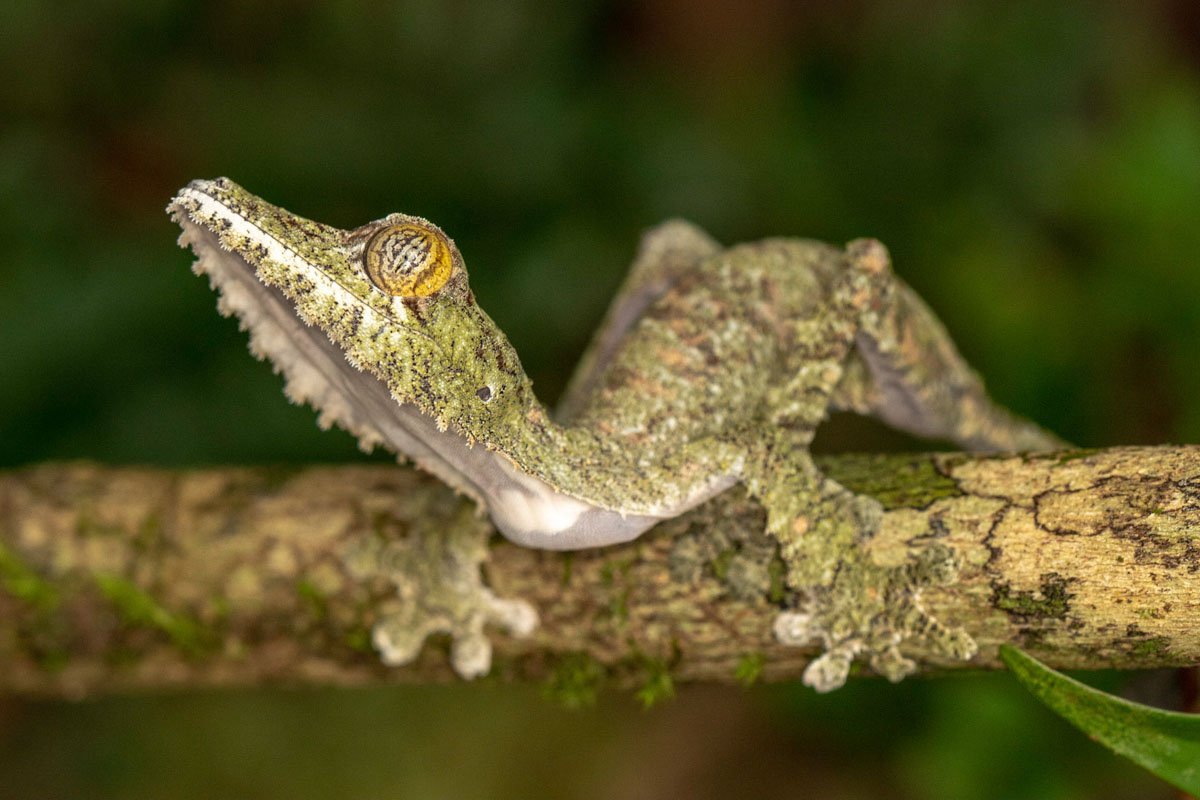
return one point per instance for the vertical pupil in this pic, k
(408, 252)
(407, 260)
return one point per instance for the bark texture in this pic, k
(114, 579)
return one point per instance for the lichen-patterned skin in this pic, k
(714, 366)
(439, 589)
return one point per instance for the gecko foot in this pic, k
(437, 572)
(401, 632)
(868, 612)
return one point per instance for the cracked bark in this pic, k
(115, 579)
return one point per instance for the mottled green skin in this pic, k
(749, 340)
(714, 367)
(436, 571)
(411, 357)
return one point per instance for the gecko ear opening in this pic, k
(408, 260)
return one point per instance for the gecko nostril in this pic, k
(484, 393)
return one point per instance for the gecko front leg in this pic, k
(435, 566)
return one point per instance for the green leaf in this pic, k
(1164, 742)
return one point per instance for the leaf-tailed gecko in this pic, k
(713, 366)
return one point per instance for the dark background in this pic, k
(1034, 168)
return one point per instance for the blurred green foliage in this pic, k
(1167, 743)
(1034, 167)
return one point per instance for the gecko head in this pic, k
(376, 327)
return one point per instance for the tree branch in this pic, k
(122, 578)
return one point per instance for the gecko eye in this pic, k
(485, 394)
(408, 260)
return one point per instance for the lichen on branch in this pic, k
(118, 578)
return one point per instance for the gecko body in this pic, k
(714, 366)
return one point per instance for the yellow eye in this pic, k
(408, 260)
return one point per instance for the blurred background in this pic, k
(1034, 168)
